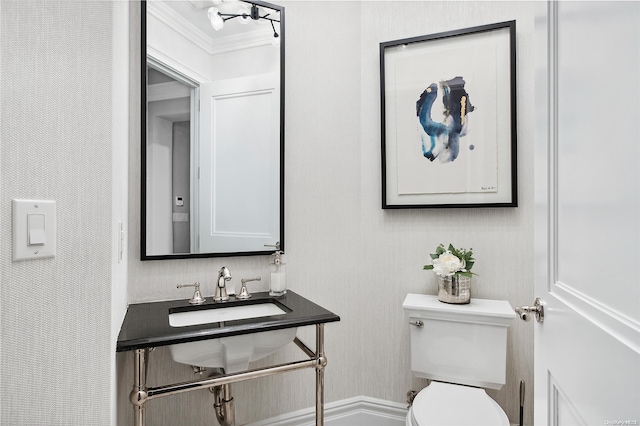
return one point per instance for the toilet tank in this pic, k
(462, 344)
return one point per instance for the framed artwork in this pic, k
(448, 104)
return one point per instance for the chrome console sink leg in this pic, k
(321, 363)
(138, 394)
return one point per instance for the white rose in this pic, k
(447, 264)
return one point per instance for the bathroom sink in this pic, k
(233, 353)
(233, 313)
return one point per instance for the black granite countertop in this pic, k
(146, 325)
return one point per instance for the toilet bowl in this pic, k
(462, 350)
(446, 404)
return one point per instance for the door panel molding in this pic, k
(624, 329)
(564, 412)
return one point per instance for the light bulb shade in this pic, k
(245, 15)
(216, 20)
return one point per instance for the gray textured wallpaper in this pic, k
(56, 64)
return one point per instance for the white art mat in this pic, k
(476, 167)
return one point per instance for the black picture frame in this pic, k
(468, 156)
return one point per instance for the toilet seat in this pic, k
(445, 404)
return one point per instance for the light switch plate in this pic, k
(22, 235)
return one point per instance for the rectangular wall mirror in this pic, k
(213, 133)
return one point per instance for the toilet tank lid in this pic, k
(478, 311)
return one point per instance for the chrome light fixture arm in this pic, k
(254, 15)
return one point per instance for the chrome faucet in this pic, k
(221, 288)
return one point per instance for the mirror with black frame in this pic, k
(213, 144)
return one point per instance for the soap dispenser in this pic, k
(278, 285)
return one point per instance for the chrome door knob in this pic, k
(537, 310)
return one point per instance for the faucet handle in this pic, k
(197, 298)
(244, 293)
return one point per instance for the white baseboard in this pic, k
(357, 411)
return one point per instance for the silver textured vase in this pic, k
(455, 289)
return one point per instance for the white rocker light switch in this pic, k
(34, 229)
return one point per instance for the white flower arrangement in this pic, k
(451, 261)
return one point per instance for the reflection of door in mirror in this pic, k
(239, 162)
(170, 122)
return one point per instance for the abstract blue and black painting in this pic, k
(441, 139)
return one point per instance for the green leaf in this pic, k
(434, 256)
(428, 267)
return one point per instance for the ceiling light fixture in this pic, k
(218, 19)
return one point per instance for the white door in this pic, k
(239, 164)
(587, 359)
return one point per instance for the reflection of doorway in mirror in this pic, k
(180, 174)
(169, 143)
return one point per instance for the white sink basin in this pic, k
(206, 316)
(232, 353)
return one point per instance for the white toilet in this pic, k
(462, 349)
